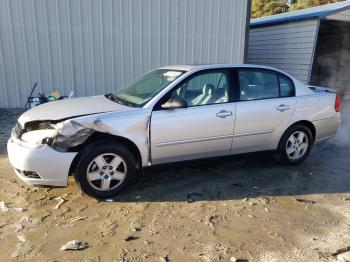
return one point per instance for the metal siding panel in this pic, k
(94, 46)
(288, 47)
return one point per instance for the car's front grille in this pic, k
(29, 174)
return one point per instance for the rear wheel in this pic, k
(295, 144)
(104, 169)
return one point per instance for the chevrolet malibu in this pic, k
(173, 113)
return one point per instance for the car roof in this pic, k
(189, 68)
(213, 66)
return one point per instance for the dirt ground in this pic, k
(245, 207)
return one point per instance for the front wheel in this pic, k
(295, 144)
(104, 169)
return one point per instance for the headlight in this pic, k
(43, 136)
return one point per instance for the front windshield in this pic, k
(145, 88)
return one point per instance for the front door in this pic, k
(204, 128)
(265, 105)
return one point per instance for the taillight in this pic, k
(337, 103)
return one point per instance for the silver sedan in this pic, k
(173, 113)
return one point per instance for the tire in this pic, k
(296, 152)
(104, 169)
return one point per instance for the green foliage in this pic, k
(301, 4)
(268, 7)
(272, 7)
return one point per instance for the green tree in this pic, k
(268, 7)
(301, 4)
(272, 7)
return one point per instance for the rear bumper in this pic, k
(41, 165)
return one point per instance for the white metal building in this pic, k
(96, 46)
(312, 44)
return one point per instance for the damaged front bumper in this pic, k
(39, 165)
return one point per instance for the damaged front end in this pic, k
(59, 135)
(70, 135)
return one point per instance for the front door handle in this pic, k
(224, 114)
(283, 108)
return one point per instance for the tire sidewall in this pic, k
(98, 148)
(282, 145)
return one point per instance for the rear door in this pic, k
(266, 102)
(204, 128)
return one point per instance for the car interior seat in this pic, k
(221, 95)
(206, 97)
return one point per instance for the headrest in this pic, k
(208, 89)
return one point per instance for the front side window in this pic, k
(257, 84)
(204, 89)
(145, 88)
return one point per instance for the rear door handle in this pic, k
(224, 114)
(283, 108)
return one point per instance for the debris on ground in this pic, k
(60, 202)
(233, 259)
(74, 245)
(77, 219)
(164, 259)
(267, 210)
(129, 238)
(4, 207)
(108, 228)
(18, 228)
(45, 216)
(340, 251)
(193, 197)
(21, 238)
(213, 220)
(305, 201)
(136, 229)
(27, 219)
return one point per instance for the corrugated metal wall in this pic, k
(96, 46)
(288, 47)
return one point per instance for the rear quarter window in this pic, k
(286, 86)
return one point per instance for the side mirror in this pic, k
(175, 102)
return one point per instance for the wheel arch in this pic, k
(99, 136)
(306, 123)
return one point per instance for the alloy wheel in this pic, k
(297, 145)
(106, 172)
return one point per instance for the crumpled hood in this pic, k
(69, 108)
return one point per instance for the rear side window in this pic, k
(257, 84)
(286, 86)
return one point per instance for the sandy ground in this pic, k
(247, 207)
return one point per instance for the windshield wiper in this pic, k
(112, 97)
(118, 100)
